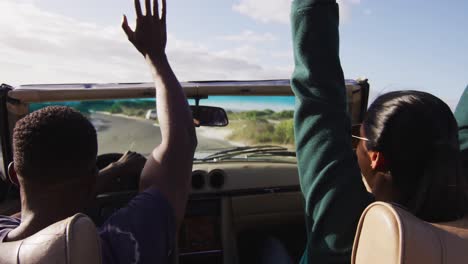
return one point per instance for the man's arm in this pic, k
(169, 167)
(329, 175)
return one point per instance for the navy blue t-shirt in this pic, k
(141, 232)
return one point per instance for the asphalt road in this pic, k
(118, 134)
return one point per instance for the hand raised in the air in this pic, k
(150, 35)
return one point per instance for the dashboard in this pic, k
(231, 178)
(231, 204)
(231, 198)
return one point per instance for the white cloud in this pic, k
(288, 54)
(232, 64)
(47, 47)
(250, 36)
(245, 52)
(277, 11)
(38, 46)
(265, 10)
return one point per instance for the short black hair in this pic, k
(54, 144)
(418, 135)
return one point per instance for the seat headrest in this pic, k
(72, 241)
(389, 234)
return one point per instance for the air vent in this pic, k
(217, 178)
(198, 179)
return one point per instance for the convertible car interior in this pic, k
(240, 195)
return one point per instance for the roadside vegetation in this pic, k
(137, 108)
(132, 108)
(262, 127)
(254, 115)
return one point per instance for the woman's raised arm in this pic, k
(329, 174)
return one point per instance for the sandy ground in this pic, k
(219, 133)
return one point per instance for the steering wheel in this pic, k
(122, 190)
(104, 160)
(118, 184)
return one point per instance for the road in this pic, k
(119, 134)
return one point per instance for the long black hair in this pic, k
(418, 135)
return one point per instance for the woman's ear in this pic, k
(378, 162)
(12, 174)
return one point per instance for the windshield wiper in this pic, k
(285, 153)
(250, 151)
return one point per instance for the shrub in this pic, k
(286, 114)
(116, 109)
(284, 132)
(259, 131)
(140, 113)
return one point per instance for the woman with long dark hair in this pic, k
(409, 154)
(408, 151)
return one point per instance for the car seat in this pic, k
(70, 241)
(388, 234)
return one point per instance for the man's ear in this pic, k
(12, 174)
(378, 162)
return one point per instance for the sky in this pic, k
(396, 44)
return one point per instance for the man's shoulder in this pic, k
(146, 208)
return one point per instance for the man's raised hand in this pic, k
(150, 35)
(169, 167)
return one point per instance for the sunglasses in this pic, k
(356, 136)
(360, 138)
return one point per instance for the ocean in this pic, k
(243, 103)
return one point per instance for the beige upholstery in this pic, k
(72, 241)
(390, 234)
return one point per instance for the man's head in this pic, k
(53, 146)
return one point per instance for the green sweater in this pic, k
(461, 114)
(329, 173)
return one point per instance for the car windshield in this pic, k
(260, 127)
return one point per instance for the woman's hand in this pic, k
(150, 35)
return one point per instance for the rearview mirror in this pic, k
(209, 116)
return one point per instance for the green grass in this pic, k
(284, 132)
(266, 114)
(287, 114)
(262, 126)
(262, 131)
